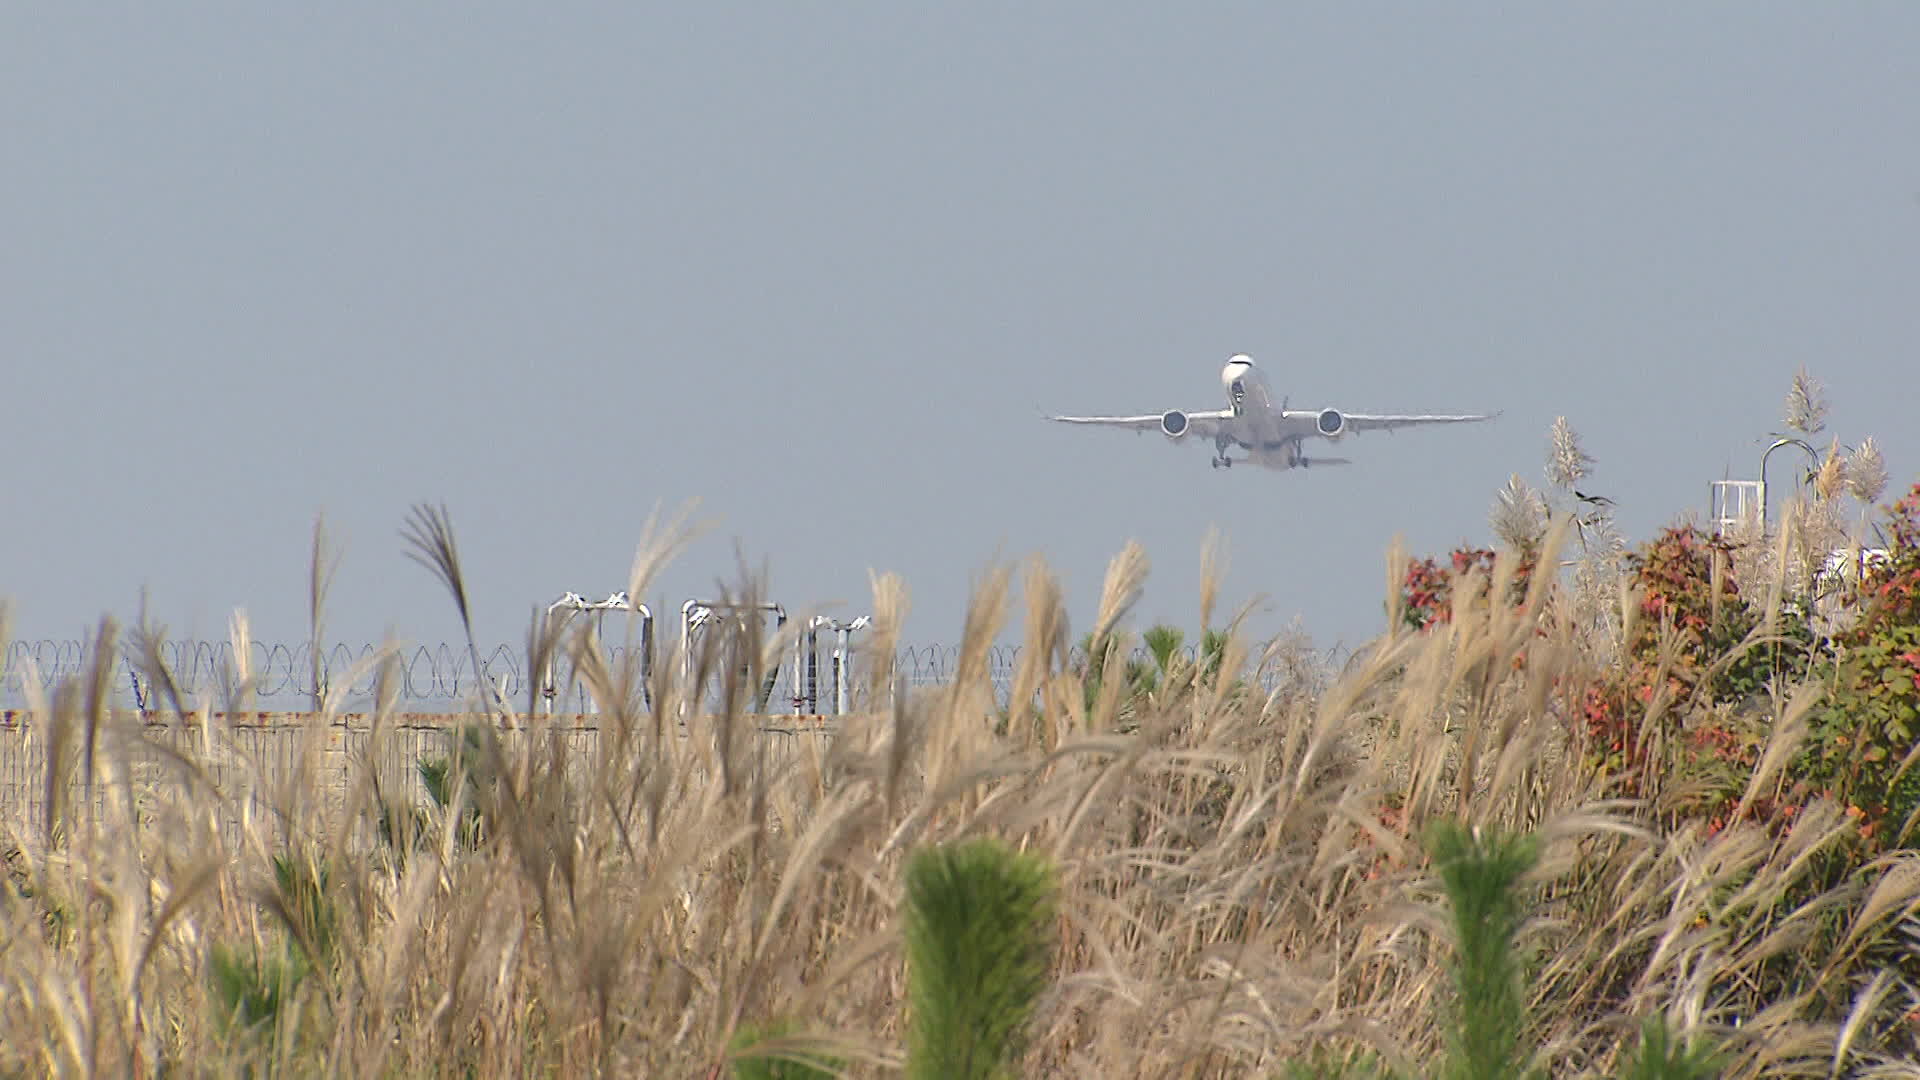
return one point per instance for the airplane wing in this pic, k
(1389, 421)
(1204, 424)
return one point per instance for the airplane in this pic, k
(1270, 433)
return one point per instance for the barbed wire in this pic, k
(438, 674)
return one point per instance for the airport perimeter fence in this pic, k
(436, 678)
(263, 748)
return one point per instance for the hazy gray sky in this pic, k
(824, 265)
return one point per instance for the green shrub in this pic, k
(1863, 734)
(1690, 645)
(1426, 587)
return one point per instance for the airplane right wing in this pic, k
(1205, 424)
(1366, 422)
(1377, 421)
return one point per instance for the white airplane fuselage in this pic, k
(1259, 425)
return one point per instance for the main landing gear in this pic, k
(1220, 458)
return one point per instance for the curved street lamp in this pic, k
(1813, 457)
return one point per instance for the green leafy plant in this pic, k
(1140, 675)
(978, 925)
(1323, 1064)
(1659, 1055)
(250, 986)
(756, 1059)
(403, 826)
(303, 902)
(1486, 1020)
(253, 984)
(1864, 738)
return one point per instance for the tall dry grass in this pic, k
(1239, 887)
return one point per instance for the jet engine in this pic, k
(1330, 423)
(1174, 424)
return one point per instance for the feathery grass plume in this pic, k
(660, 543)
(971, 693)
(1126, 573)
(1831, 477)
(1567, 462)
(1660, 1055)
(978, 922)
(1213, 568)
(239, 681)
(429, 535)
(1519, 516)
(1486, 1021)
(1867, 471)
(1045, 640)
(319, 581)
(890, 606)
(1806, 405)
(769, 1052)
(146, 648)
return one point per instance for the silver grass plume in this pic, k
(1567, 463)
(1519, 516)
(1831, 477)
(1867, 472)
(1806, 405)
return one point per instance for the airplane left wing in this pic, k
(1204, 424)
(1389, 421)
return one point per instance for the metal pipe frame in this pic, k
(1813, 457)
(695, 613)
(838, 666)
(575, 604)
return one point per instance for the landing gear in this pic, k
(1220, 458)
